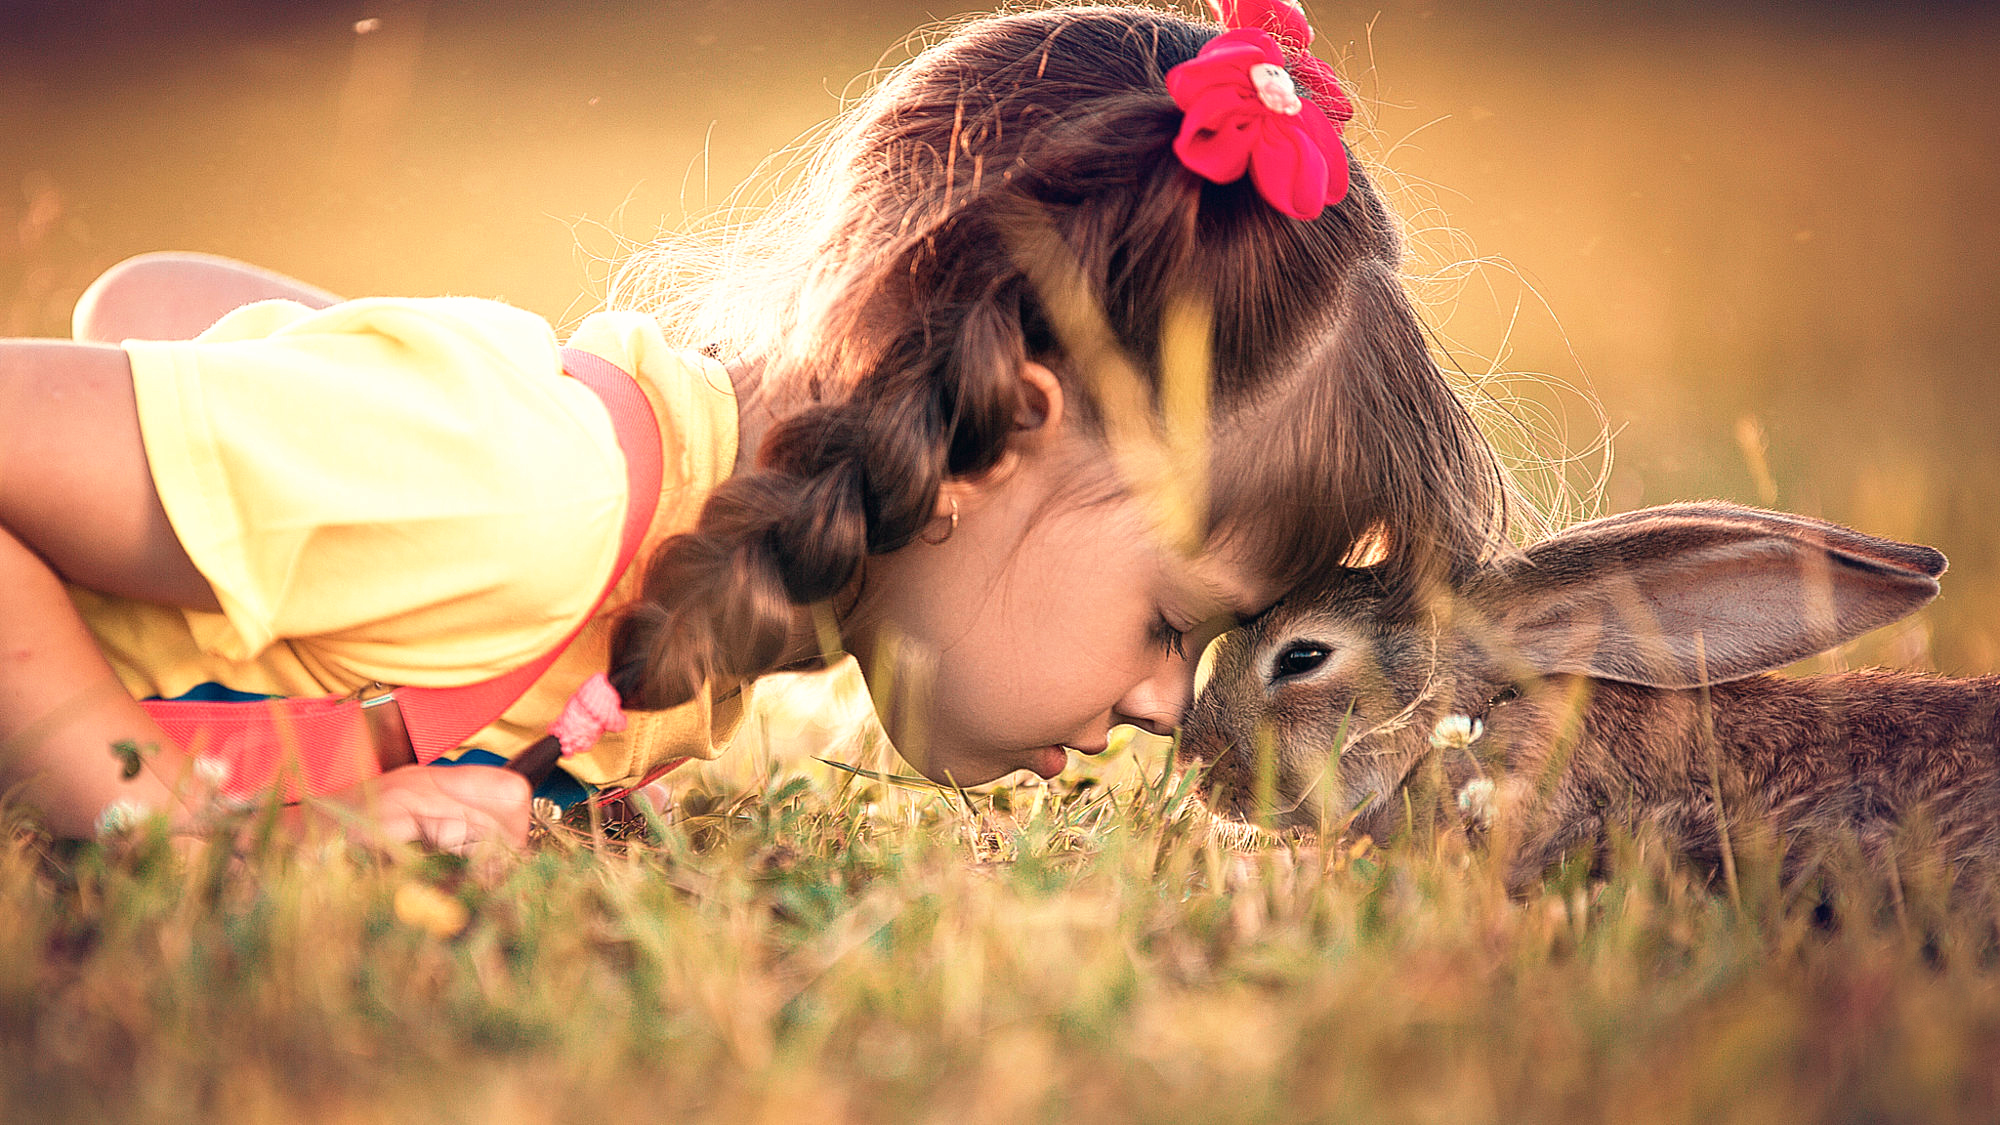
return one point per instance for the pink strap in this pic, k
(441, 719)
(321, 744)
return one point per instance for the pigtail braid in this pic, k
(834, 483)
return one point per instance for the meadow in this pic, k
(1758, 243)
(861, 952)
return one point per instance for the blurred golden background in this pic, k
(1764, 237)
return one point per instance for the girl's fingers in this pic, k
(477, 804)
(455, 808)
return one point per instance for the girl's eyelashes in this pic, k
(1168, 637)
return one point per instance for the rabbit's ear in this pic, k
(1680, 596)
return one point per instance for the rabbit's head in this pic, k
(1328, 704)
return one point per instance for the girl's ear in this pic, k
(1039, 416)
(1041, 405)
(1694, 594)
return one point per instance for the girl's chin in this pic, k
(1046, 762)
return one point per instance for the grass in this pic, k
(818, 947)
(809, 946)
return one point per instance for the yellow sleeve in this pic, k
(409, 489)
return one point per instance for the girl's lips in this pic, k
(1048, 761)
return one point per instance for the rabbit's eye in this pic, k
(1298, 659)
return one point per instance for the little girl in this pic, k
(1080, 341)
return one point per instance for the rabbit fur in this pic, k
(1616, 673)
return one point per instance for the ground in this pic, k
(824, 946)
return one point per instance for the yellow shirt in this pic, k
(410, 491)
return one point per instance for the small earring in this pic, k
(947, 531)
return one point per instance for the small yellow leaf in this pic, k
(430, 910)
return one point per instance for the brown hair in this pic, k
(883, 298)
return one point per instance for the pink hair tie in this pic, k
(1243, 113)
(593, 709)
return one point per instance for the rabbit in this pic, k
(1614, 673)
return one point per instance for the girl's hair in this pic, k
(889, 298)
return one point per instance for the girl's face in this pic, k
(1048, 616)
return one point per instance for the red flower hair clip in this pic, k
(1243, 112)
(1286, 22)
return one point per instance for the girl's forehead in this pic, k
(1230, 580)
(1228, 576)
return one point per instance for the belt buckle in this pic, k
(383, 716)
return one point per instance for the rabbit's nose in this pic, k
(1186, 756)
(1197, 745)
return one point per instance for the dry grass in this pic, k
(1771, 251)
(820, 948)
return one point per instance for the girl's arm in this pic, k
(174, 296)
(77, 504)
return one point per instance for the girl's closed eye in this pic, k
(1169, 636)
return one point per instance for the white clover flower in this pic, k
(1475, 800)
(120, 817)
(1456, 732)
(213, 773)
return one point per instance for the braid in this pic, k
(728, 607)
(834, 483)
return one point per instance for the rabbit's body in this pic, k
(1851, 756)
(1615, 674)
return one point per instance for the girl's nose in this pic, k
(1157, 703)
(1151, 724)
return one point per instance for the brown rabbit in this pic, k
(1612, 674)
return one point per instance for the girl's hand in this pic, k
(450, 808)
